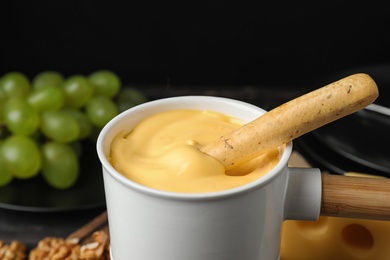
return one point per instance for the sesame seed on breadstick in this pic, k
(293, 119)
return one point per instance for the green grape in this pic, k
(15, 84)
(59, 126)
(60, 166)
(46, 98)
(47, 78)
(100, 110)
(83, 121)
(5, 174)
(105, 82)
(78, 91)
(21, 156)
(129, 97)
(20, 117)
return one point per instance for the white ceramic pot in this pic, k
(241, 223)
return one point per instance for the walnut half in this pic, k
(53, 248)
(14, 251)
(99, 249)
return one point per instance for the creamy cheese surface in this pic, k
(162, 152)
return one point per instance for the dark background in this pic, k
(195, 43)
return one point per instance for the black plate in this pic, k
(36, 195)
(323, 157)
(362, 137)
(359, 142)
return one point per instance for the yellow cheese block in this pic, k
(336, 239)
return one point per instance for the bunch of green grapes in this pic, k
(43, 121)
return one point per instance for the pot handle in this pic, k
(355, 197)
(303, 194)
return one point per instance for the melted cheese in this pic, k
(162, 152)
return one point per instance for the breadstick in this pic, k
(293, 119)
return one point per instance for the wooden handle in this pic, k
(355, 197)
(293, 119)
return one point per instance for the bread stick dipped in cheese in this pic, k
(293, 119)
